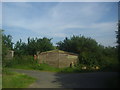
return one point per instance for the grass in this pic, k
(15, 80)
(24, 66)
(41, 67)
(46, 67)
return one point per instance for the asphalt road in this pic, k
(71, 80)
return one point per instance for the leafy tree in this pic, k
(44, 44)
(90, 52)
(33, 45)
(20, 48)
(7, 44)
(7, 41)
(78, 44)
(87, 48)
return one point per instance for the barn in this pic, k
(57, 58)
(10, 54)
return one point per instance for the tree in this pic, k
(87, 48)
(77, 44)
(89, 51)
(20, 48)
(7, 44)
(33, 45)
(7, 41)
(44, 44)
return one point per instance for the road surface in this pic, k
(71, 80)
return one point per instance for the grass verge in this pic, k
(45, 67)
(15, 80)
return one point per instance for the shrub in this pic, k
(20, 60)
(88, 58)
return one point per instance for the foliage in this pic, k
(87, 48)
(7, 44)
(88, 59)
(90, 52)
(77, 44)
(20, 48)
(33, 45)
(21, 60)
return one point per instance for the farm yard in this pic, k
(72, 80)
(61, 68)
(60, 45)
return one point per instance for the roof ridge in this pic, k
(60, 51)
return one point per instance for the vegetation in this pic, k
(32, 46)
(91, 54)
(6, 44)
(20, 60)
(15, 80)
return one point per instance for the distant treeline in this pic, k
(89, 51)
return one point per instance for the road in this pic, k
(70, 80)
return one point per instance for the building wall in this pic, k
(10, 54)
(49, 58)
(57, 59)
(65, 60)
(52, 59)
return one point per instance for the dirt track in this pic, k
(73, 80)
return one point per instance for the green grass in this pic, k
(41, 67)
(46, 67)
(16, 80)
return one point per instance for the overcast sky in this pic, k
(61, 19)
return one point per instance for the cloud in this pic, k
(59, 20)
(60, 1)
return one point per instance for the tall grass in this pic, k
(20, 60)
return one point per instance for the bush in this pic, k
(110, 64)
(88, 58)
(20, 60)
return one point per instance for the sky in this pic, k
(58, 20)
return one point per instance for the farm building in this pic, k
(57, 58)
(10, 54)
